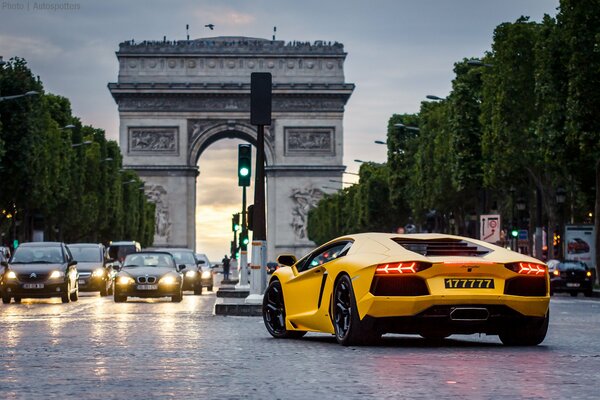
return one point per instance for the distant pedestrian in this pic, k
(226, 261)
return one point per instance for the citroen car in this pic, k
(359, 287)
(40, 270)
(95, 273)
(196, 273)
(149, 274)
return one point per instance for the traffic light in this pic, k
(235, 222)
(514, 232)
(244, 164)
(556, 239)
(250, 217)
(244, 239)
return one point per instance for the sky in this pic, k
(399, 51)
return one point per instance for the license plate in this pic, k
(147, 287)
(82, 281)
(33, 286)
(468, 283)
(572, 284)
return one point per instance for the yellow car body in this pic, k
(429, 284)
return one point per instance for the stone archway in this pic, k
(177, 98)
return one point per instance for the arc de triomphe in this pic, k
(176, 98)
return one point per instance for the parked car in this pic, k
(272, 267)
(4, 252)
(207, 268)
(117, 251)
(40, 270)
(149, 274)
(95, 272)
(573, 277)
(195, 271)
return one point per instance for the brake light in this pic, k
(524, 268)
(400, 268)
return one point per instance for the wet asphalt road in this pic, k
(96, 349)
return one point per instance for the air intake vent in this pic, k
(442, 247)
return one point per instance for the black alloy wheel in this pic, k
(273, 311)
(349, 329)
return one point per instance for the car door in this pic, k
(304, 292)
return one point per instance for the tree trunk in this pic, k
(597, 221)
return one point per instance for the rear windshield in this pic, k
(119, 252)
(572, 266)
(86, 254)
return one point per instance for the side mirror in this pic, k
(72, 263)
(287, 259)
(180, 267)
(200, 262)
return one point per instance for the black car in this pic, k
(149, 274)
(40, 270)
(95, 273)
(195, 273)
(571, 276)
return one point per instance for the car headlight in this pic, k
(56, 274)
(205, 274)
(125, 280)
(190, 274)
(167, 280)
(11, 275)
(588, 274)
(98, 272)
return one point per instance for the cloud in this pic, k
(223, 17)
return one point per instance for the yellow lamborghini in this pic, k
(359, 287)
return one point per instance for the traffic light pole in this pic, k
(243, 276)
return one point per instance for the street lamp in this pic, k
(351, 173)
(343, 182)
(433, 97)
(18, 96)
(561, 196)
(380, 142)
(82, 143)
(70, 126)
(128, 182)
(475, 62)
(408, 128)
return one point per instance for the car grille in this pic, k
(146, 279)
(85, 274)
(442, 247)
(399, 286)
(28, 278)
(525, 286)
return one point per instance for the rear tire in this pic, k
(210, 288)
(6, 299)
(273, 311)
(198, 289)
(529, 333)
(349, 329)
(104, 290)
(65, 297)
(18, 300)
(574, 294)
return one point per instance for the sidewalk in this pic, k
(231, 300)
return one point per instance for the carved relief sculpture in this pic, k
(153, 139)
(308, 141)
(304, 200)
(162, 229)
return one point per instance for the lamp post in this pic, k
(380, 142)
(18, 96)
(434, 97)
(87, 142)
(475, 62)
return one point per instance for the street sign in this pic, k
(523, 234)
(490, 228)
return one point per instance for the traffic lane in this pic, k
(154, 348)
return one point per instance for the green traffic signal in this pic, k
(244, 164)
(514, 233)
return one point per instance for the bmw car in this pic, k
(149, 274)
(95, 274)
(572, 277)
(359, 287)
(40, 270)
(196, 273)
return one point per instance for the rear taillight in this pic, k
(400, 268)
(524, 268)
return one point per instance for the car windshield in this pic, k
(149, 260)
(38, 255)
(571, 266)
(183, 257)
(86, 254)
